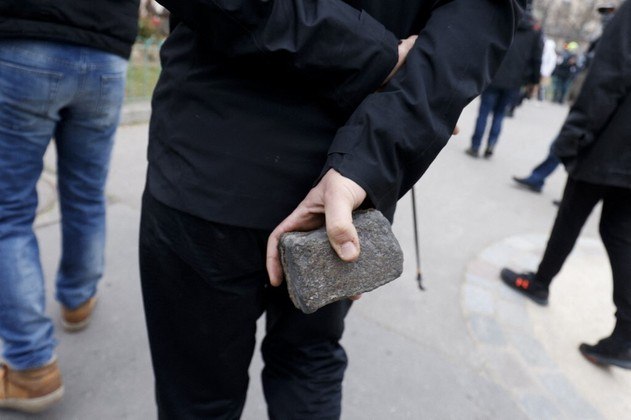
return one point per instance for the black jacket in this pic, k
(522, 64)
(257, 98)
(595, 141)
(109, 25)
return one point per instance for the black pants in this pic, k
(204, 286)
(578, 201)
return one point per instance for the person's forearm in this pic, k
(395, 134)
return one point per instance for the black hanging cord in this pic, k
(419, 275)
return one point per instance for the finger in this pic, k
(339, 227)
(272, 261)
(456, 130)
(356, 297)
(299, 220)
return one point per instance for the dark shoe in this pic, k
(527, 184)
(526, 284)
(608, 351)
(472, 152)
(488, 153)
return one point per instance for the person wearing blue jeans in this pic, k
(537, 178)
(73, 93)
(496, 101)
(521, 67)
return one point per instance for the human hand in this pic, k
(404, 49)
(329, 203)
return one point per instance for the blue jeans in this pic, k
(73, 94)
(560, 88)
(496, 101)
(538, 175)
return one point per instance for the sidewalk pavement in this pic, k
(466, 348)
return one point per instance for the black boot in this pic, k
(528, 184)
(526, 284)
(612, 350)
(472, 152)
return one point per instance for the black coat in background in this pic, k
(522, 64)
(258, 98)
(595, 141)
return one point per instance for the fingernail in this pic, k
(349, 251)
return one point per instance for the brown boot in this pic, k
(79, 318)
(32, 390)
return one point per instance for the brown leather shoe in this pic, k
(32, 390)
(79, 318)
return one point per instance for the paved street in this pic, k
(465, 348)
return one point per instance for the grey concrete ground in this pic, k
(467, 348)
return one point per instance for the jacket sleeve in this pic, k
(394, 135)
(328, 42)
(606, 85)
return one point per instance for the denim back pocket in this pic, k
(111, 95)
(26, 94)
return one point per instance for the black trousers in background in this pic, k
(204, 286)
(579, 199)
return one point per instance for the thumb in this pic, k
(340, 229)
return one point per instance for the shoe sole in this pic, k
(528, 187)
(509, 283)
(33, 405)
(78, 326)
(605, 361)
(75, 326)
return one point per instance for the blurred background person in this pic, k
(520, 67)
(62, 74)
(594, 146)
(564, 73)
(537, 178)
(606, 12)
(548, 63)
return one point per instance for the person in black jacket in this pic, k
(595, 147)
(521, 67)
(537, 178)
(62, 74)
(272, 117)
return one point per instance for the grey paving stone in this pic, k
(512, 316)
(591, 243)
(316, 276)
(486, 330)
(481, 268)
(530, 350)
(499, 255)
(521, 243)
(568, 398)
(539, 240)
(491, 284)
(510, 370)
(478, 300)
(538, 407)
(530, 261)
